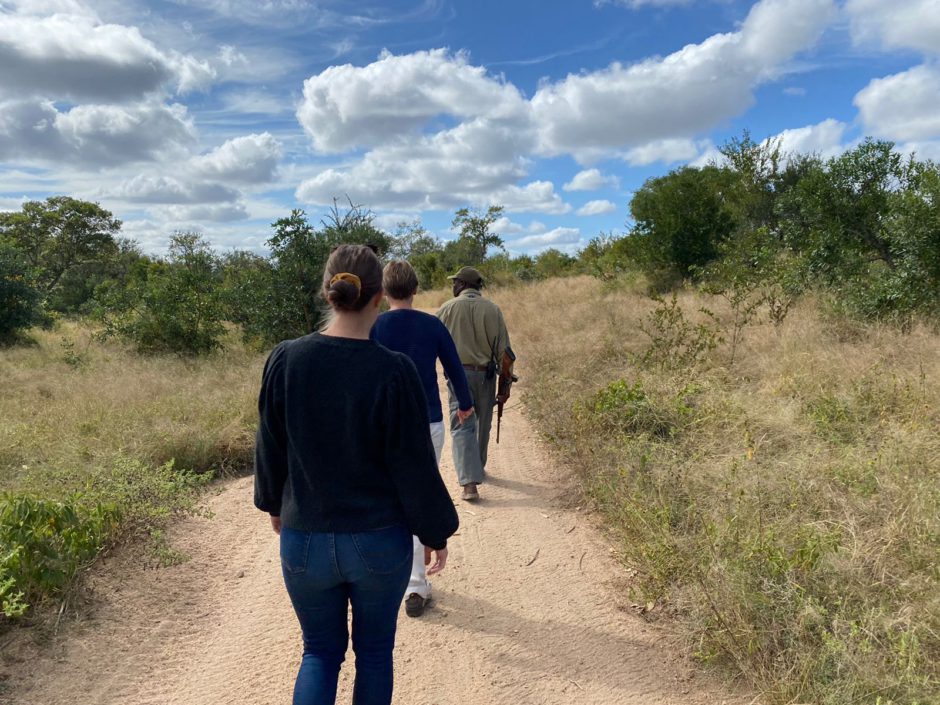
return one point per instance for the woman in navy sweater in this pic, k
(345, 467)
(424, 339)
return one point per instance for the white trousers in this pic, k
(419, 578)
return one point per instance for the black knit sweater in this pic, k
(343, 442)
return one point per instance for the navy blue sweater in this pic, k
(343, 442)
(424, 339)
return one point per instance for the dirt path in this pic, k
(529, 610)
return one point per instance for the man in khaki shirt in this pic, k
(479, 332)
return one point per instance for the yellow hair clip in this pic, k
(347, 277)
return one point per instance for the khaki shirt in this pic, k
(477, 327)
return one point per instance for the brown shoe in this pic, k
(470, 493)
(415, 604)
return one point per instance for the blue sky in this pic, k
(223, 115)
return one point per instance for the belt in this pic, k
(476, 368)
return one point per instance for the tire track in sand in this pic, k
(526, 612)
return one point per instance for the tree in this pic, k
(354, 227)
(681, 219)
(20, 299)
(412, 240)
(298, 256)
(474, 227)
(758, 166)
(838, 216)
(78, 287)
(59, 235)
(177, 307)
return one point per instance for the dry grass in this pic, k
(70, 402)
(787, 506)
(110, 444)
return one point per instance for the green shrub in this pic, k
(44, 543)
(178, 307)
(675, 342)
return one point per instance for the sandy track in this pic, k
(504, 629)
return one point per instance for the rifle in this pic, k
(501, 396)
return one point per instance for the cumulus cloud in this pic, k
(401, 110)
(551, 238)
(534, 197)
(922, 150)
(600, 207)
(72, 55)
(214, 213)
(172, 190)
(896, 24)
(466, 164)
(824, 138)
(682, 94)
(590, 180)
(904, 106)
(251, 159)
(348, 106)
(666, 151)
(93, 136)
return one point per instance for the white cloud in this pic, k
(590, 180)
(534, 197)
(250, 159)
(905, 106)
(922, 150)
(93, 136)
(504, 225)
(666, 151)
(897, 24)
(215, 212)
(824, 138)
(600, 207)
(794, 91)
(74, 56)
(474, 162)
(552, 238)
(682, 94)
(172, 190)
(349, 106)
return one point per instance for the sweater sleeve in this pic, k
(447, 352)
(271, 439)
(428, 507)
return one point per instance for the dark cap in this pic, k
(468, 275)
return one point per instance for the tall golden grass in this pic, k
(70, 402)
(785, 506)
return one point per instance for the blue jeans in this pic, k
(324, 573)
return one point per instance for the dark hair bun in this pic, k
(342, 294)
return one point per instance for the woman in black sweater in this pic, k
(345, 467)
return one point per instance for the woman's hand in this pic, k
(463, 415)
(440, 559)
(276, 524)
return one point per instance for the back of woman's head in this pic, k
(399, 280)
(353, 276)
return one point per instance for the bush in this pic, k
(178, 307)
(43, 544)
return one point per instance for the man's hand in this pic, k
(463, 415)
(439, 563)
(276, 524)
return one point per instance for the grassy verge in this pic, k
(785, 506)
(98, 444)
